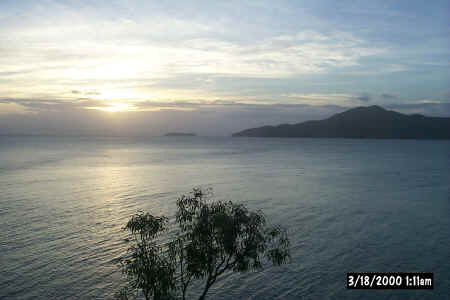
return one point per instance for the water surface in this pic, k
(350, 205)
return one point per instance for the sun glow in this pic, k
(117, 107)
(114, 107)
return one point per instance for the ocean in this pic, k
(349, 206)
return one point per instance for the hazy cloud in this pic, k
(41, 105)
(362, 98)
(429, 109)
(388, 96)
(221, 118)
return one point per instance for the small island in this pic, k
(180, 134)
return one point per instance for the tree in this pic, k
(147, 267)
(207, 239)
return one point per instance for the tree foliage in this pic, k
(147, 267)
(210, 239)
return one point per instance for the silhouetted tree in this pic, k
(210, 239)
(147, 266)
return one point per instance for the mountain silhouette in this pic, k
(361, 122)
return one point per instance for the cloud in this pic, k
(305, 52)
(388, 96)
(143, 57)
(204, 118)
(43, 105)
(232, 52)
(436, 109)
(336, 99)
(362, 98)
(86, 93)
(48, 105)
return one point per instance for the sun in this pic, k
(117, 107)
(114, 107)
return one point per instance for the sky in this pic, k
(215, 67)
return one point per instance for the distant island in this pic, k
(180, 134)
(371, 122)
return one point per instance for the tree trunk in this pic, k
(205, 290)
(184, 292)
